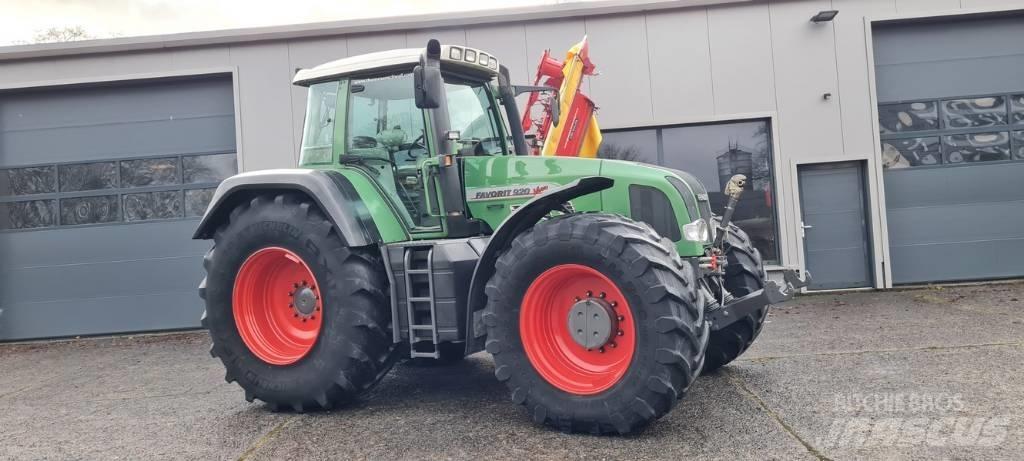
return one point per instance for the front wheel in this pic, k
(744, 274)
(595, 324)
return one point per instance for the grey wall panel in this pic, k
(945, 59)
(679, 56)
(805, 69)
(741, 58)
(369, 43)
(909, 6)
(264, 92)
(618, 45)
(418, 38)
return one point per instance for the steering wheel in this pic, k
(417, 143)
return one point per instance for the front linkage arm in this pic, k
(732, 309)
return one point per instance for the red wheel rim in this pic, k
(547, 340)
(277, 306)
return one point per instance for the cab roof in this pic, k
(400, 59)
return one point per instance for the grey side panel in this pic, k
(956, 223)
(948, 59)
(330, 190)
(836, 243)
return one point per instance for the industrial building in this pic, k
(885, 143)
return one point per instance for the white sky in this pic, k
(21, 19)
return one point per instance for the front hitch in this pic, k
(772, 293)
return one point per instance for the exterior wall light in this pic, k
(824, 16)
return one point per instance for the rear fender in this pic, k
(331, 191)
(520, 220)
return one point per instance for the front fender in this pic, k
(522, 219)
(331, 191)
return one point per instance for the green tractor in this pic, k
(417, 227)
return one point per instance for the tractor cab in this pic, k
(398, 114)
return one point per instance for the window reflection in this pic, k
(714, 153)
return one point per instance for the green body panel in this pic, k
(384, 215)
(492, 195)
(491, 192)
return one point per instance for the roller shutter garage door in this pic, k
(100, 190)
(951, 114)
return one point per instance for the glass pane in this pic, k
(208, 168)
(977, 147)
(28, 215)
(1018, 145)
(29, 180)
(714, 153)
(634, 145)
(152, 205)
(1017, 108)
(318, 134)
(975, 112)
(908, 116)
(89, 210)
(903, 153)
(87, 176)
(196, 201)
(149, 172)
(471, 114)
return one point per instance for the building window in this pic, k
(111, 191)
(713, 152)
(952, 131)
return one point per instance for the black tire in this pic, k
(667, 308)
(354, 348)
(744, 274)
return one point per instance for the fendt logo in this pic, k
(506, 192)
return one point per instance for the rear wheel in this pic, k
(595, 323)
(744, 274)
(299, 320)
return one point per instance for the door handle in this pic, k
(805, 226)
(803, 229)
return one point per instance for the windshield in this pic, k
(471, 114)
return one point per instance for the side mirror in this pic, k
(429, 87)
(556, 106)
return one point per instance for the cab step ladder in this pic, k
(419, 296)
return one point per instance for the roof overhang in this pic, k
(348, 27)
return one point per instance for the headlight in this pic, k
(455, 53)
(470, 55)
(696, 231)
